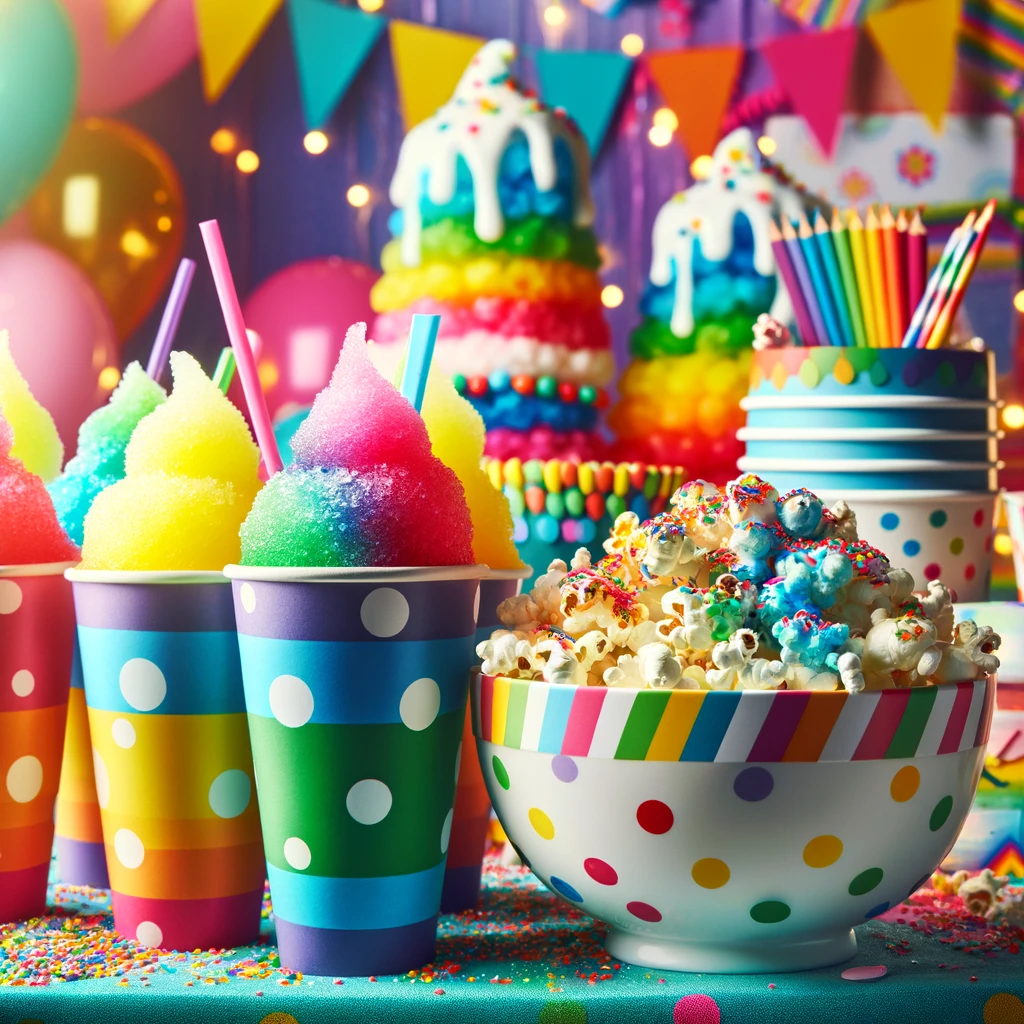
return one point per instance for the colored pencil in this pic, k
(917, 261)
(830, 261)
(902, 258)
(848, 273)
(877, 268)
(859, 251)
(796, 256)
(792, 284)
(948, 278)
(917, 320)
(819, 281)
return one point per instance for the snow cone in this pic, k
(356, 608)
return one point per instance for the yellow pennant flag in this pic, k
(124, 15)
(428, 65)
(228, 30)
(918, 41)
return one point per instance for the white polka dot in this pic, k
(123, 733)
(446, 830)
(102, 776)
(291, 701)
(458, 763)
(296, 852)
(476, 605)
(369, 801)
(142, 684)
(229, 793)
(419, 704)
(25, 779)
(10, 597)
(384, 611)
(23, 682)
(128, 847)
(248, 597)
(149, 934)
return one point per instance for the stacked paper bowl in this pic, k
(906, 436)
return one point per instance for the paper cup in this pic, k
(173, 767)
(356, 683)
(37, 626)
(1013, 503)
(81, 858)
(835, 412)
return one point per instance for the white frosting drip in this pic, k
(478, 123)
(707, 211)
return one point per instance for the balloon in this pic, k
(39, 64)
(302, 313)
(114, 204)
(62, 336)
(115, 75)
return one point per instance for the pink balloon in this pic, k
(301, 314)
(114, 76)
(61, 333)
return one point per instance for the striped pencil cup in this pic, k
(37, 626)
(356, 684)
(81, 857)
(173, 767)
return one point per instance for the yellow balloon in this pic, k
(113, 203)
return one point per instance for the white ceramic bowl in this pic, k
(731, 832)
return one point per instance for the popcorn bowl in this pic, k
(731, 831)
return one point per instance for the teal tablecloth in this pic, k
(523, 957)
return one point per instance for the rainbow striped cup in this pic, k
(173, 767)
(37, 627)
(356, 683)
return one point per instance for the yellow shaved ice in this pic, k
(190, 479)
(36, 441)
(457, 439)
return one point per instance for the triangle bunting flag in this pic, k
(228, 30)
(124, 15)
(331, 43)
(697, 84)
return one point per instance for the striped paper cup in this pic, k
(37, 627)
(355, 684)
(170, 746)
(658, 810)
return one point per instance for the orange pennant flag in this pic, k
(918, 41)
(228, 30)
(697, 84)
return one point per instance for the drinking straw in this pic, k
(830, 261)
(917, 261)
(963, 278)
(164, 340)
(254, 397)
(819, 280)
(859, 250)
(877, 267)
(948, 278)
(844, 256)
(917, 320)
(225, 370)
(422, 336)
(801, 314)
(796, 257)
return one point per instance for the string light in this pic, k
(370, 5)
(223, 141)
(268, 373)
(109, 377)
(1013, 417)
(660, 135)
(1003, 544)
(554, 15)
(702, 167)
(247, 161)
(665, 117)
(315, 142)
(1018, 302)
(611, 296)
(358, 195)
(163, 223)
(632, 45)
(767, 145)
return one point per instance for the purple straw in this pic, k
(169, 321)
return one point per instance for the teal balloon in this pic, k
(38, 88)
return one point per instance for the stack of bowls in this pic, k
(906, 436)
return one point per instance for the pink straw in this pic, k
(247, 371)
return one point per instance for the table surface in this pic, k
(522, 957)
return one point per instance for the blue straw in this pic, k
(422, 336)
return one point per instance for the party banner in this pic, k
(331, 43)
(428, 65)
(586, 84)
(124, 15)
(830, 13)
(992, 48)
(228, 30)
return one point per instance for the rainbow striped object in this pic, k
(826, 14)
(731, 726)
(992, 48)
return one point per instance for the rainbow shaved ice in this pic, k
(31, 533)
(102, 441)
(36, 441)
(191, 474)
(364, 489)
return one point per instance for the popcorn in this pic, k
(737, 589)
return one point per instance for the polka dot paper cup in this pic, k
(172, 764)
(356, 683)
(37, 626)
(731, 832)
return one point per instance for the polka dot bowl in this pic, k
(731, 832)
